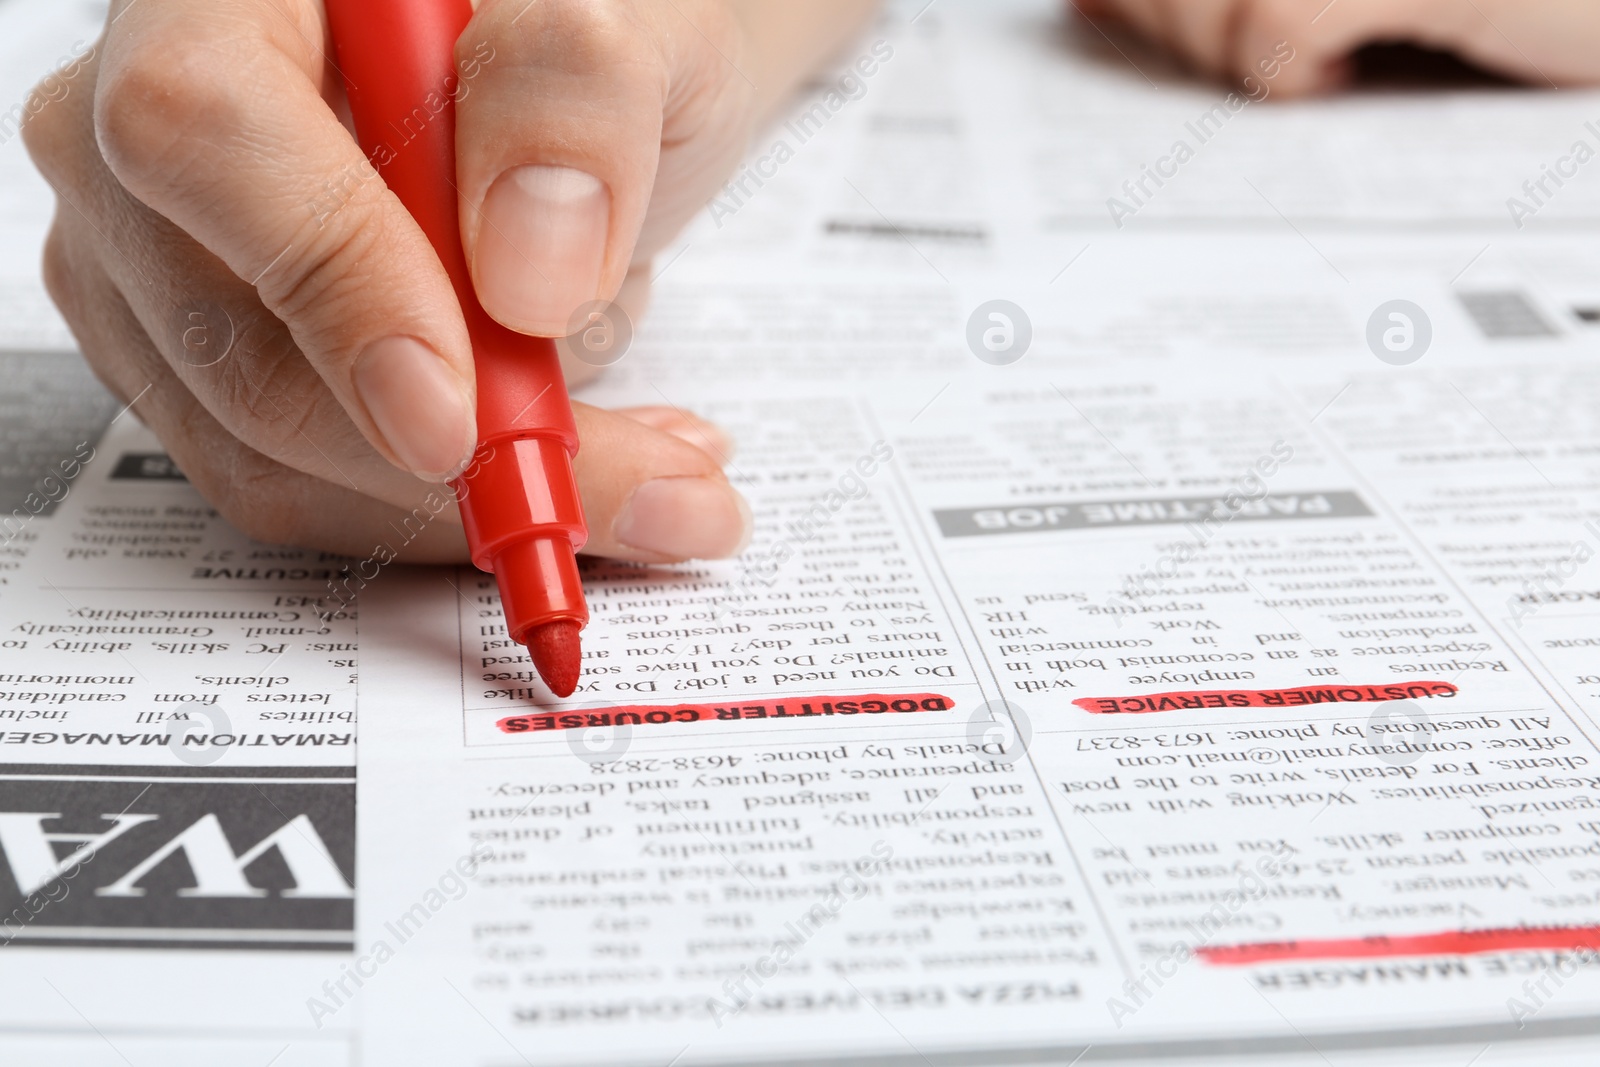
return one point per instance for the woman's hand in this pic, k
(1545, 42)
(210, 201)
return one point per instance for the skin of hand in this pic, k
(206, 182)
(1543, 42)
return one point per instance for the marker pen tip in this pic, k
(558, 654)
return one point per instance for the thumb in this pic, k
(652, 497)
(560, 135)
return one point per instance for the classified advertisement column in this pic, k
(1304, 763)
(779, 817)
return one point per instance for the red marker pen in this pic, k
(519, 500)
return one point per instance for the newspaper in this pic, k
(1167, 634)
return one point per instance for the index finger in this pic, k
(212, 112)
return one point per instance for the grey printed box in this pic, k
(247, 858)
(1159, 511)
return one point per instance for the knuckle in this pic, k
(262, 497)
(53, 119)
(326, 274)
(150, 101)
(584, 35)
(233, 478)
(46, 131)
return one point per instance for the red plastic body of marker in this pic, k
(519, 499)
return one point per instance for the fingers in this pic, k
(260, 497)
(1203, 32)
(1143, 15)
(1291, 47)
(1549, 43)
(1546, 43)
(651, 496)
(579, 119)
(210, 113)
(1208, 34)
(340, 323)
(650, 477)
(233, 355)
(1321, 37)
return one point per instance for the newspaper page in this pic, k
(177, 754)
(1162, 714)
(1151, 645)
(1166, 633)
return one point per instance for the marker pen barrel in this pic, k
(519, 499)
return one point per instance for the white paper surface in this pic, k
(1004, 876)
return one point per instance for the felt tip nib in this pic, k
(558, 654)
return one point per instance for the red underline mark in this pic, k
(787, 708)
(1296, 697)
(1448, 943)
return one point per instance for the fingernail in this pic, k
(685, 518)
(419, 405)
(541, 243)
